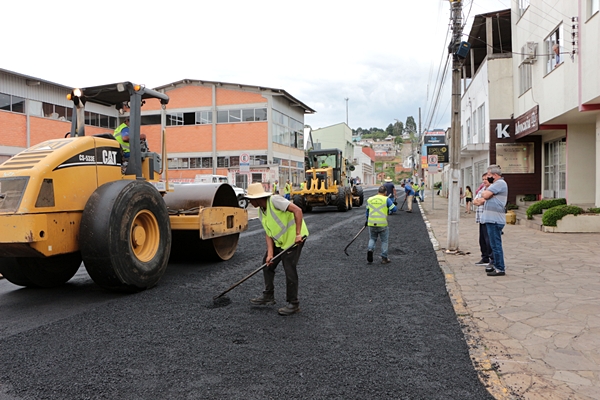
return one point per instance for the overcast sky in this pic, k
(383, 55)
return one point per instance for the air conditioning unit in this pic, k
(529, 52)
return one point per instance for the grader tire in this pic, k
(361, 197)
(299, 201)
(349, 197)
(39, 271)
(125, 236)
(341, 200)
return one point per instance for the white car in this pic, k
(240, 194)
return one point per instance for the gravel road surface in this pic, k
(365, 331)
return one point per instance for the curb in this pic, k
(481, 362)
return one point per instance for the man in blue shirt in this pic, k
(410, 195)
(390, 189)
(494, 216)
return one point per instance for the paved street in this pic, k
(379, 331)
(538, 326)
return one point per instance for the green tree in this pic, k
(398, 128)
(410, 126)
(390, 130)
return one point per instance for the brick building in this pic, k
(209, 125)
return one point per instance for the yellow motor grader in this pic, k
(328, 183)
(69, 200)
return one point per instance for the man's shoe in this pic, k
(263, 301)
(385, 260)
(370, 256)
(495, 272)
(289, 309)
(482, 262)
(490, 268)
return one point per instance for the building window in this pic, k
(523, 5)
(469, 131)
(222, 162)
(203, 117)
(152, 119)
(524, 78)
(475, 125)
(12, 103)
(553, 49)
(287, 131)
(593, 7)
(481, 115)
(175, 119)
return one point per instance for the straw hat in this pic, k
(256, 191)
(388, 179)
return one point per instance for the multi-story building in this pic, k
(33, 110)
(249, 133)
(557, 93)
(338, 136)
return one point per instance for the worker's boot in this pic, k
(267, 299)
(291, 308)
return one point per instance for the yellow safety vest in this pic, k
(287, 189)
(274, 188)
(378, 211)
(119, 137)
(302, 186)
(280, 225)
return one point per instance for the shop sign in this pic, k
(527, 123)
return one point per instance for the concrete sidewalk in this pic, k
(534, 333)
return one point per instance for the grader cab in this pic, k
(328, 183)
(69, 200)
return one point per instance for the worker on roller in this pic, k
(122, 136)
(284, 226)
(378, 208)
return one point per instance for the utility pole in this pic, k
(420, 156)
(347, 109)
(453, 185)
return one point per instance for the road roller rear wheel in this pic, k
(188, 247)
(125, 236)
(13, 272)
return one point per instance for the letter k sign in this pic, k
(502, 132)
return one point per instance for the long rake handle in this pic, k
(257, 270)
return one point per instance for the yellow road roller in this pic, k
(78, 198)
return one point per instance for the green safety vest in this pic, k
(287, 189)
(302, 186)
(274, 188)
(280, 225)
(119, 137)
(378, 211)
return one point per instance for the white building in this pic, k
(562, 91)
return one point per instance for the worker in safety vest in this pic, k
(287, 190)
(275, 187)
(284, 226)
(122, 136)
(302, 185)
(378, 208)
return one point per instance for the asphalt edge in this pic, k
(482, 364)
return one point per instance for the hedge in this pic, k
(537, 208)
(555, 213)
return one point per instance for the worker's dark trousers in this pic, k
(290, 260)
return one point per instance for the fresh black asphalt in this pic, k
(365, 331)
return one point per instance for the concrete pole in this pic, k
(455, 132)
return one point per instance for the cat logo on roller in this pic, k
(109, 157)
